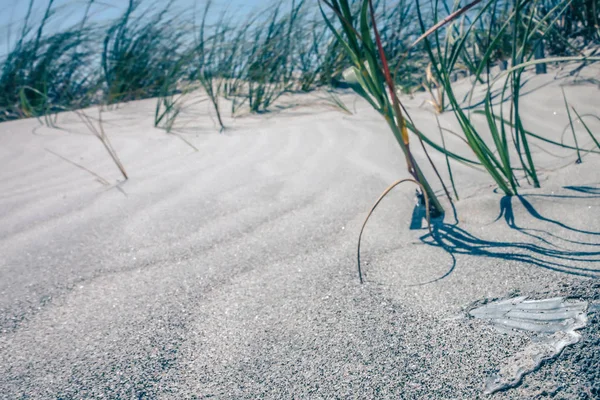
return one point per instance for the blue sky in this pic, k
(70, 12)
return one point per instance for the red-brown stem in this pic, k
(391, 87)
(397, 105)
(443, 22)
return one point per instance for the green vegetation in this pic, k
(487, 34)
(151, 51)
(162, 52)
(46, 73)
(370, 77)
(380, 48)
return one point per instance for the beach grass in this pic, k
(380, 48)
(370, 77)
(253, 59)
(516, 29)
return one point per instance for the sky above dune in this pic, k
(70, 12)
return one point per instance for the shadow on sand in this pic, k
(547, 250)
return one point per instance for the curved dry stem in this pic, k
(385, 193)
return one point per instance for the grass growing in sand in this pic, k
(500, 29)
(469, 38)
(381, 48)
(371, 78)
(252, 59)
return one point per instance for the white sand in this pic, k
(230, 271)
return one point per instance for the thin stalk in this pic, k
(586, 128)
(451, 175)
(572, 127)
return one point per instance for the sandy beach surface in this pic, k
(230, 272)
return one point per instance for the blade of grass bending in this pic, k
(543, 61)
(572, 127)
(370, 53)
(354, 51)
(502, 151)
(459, 47)
(515, 78)
(515, 133)
(447, 158)
(543, 139)
(354, 78)
(485, 58)
(388, 77)
(385, 193)
(586, 128)
(337, 102)
(421, 141)
(439, 148)
(530, 169)
(349, 50)
(109, 146)
(345, 16)
(503, 132)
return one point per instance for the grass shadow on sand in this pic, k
(547, 250)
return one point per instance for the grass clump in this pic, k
(493, 22)
(253, 60)
(271, 70)
(370, 77)
(46, 73)
(140, 54)
(211, 61)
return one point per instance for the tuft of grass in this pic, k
(208, 72)
(46, 73)
(137, 50)
(443, 61)
(271, 70)
(370, 77)
(491, 22)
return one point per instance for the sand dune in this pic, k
(229, 272)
